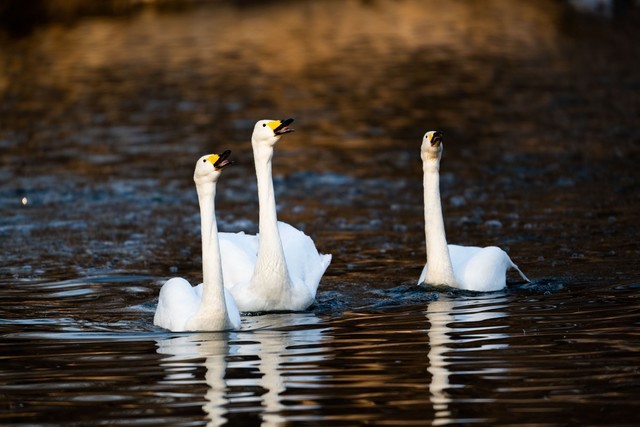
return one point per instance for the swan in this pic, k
(208, 306)
(280, 268)
(465, 267)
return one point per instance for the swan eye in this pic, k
(264, 125)
(204, 160)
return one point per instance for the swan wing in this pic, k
(232, 310)
(177, 303)
(306, 265)
(459, 256)
(482, 269)
(423, 274)
(239, 252)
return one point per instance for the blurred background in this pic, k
(106, 105)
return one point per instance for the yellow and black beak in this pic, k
(436, 139)
(220, 161)
(281, 127)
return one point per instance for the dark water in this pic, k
(103, 113)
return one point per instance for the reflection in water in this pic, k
(441, 315)
(542, 104)
(273, 348)
(180, 367)
(263, 344)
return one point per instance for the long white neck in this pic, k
(212, 311)
(440, 270)
(271, 274)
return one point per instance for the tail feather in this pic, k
(513, 265)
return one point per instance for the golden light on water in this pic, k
(24, 200)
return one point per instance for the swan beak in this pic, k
(220, 161)
(281, 127)
(436, 139)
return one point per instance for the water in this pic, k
(104, 112)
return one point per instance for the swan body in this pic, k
(208, 306)
(280, 268)
(466, 267)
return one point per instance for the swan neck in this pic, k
(440, 270)
(271, 260)
(266, 198)
(213, 298)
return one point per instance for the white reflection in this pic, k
(180, 364)
(466, 314)
(275, 344)
(439, 316)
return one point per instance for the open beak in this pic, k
(436, 139)
(283, 127)
(223, 160)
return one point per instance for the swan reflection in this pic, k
(274, 345)
(467, 314)
(181, 368)
(281, 345)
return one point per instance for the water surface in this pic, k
(104, 112)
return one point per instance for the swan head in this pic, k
(268, 132)
(432, 145)
(209, 167)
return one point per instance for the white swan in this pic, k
(280, 269)
(208, 306)
(465, 267)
